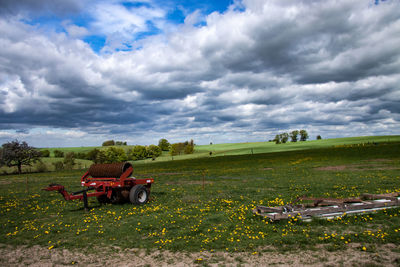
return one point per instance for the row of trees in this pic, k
(17, 154)
(114, 143)
(186, 147)
(182, 148)
(118, 154)
(293, 135)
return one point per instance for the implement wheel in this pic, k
(139, 194)
(103, 199)
(117, 197)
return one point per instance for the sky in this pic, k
(79, 72)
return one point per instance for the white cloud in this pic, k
(121, 24)
(275, 66)
(75, 31)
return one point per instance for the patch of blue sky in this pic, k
(129, 4)
(96, 42)
(379, 1)
(46, 22)
(176, 16)
(152, 30)
(184, 7)
(206, 6)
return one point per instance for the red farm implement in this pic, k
(111, 184)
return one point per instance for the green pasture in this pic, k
(205, 204)
(230, 149)
(48, 162)
(71, 149)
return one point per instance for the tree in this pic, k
(284, 137)
(17, 154)
(303, 135)
(81, 155)
(109, 143)
(137, 153)
(100, 157)
(45, 153)
(189, 148)
(177, 149)
(293, 135)
(69, 160)
(115, 154)
(164, 144)
(277, 139)
(319, 137)
(153, 151)
(120, 143)
(58, 154)
(92, 154)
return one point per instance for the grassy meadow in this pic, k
(230, 149)
(204, 204)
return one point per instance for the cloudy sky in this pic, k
(78, 72)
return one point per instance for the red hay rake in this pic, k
(111, 184)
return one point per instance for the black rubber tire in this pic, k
(103, 199)
(116, 197)
(139, 195)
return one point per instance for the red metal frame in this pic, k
(102, 186)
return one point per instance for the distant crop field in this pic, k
(205, 204)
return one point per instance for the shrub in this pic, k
(45, 153)
(153, 151)
(120, 143)
(137, 153)
(58, 154)
(179, 148)
(69, 160)
(92, 154)
(41, 167)
(100, 157)
(58, 165)
(81, 155)
(115, 154)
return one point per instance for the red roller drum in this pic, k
(114, 170)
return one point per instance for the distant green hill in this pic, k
(253, 148)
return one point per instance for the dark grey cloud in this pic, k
(39, 7)
(276, 66)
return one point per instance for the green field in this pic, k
(205, 204)
(251, 148)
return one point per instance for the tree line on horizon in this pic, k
(293, 135)
(16, 153)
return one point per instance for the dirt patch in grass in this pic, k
(183, 182)
(383, 255)
(358, 167)
(378, 160)
(332, 168)
(5, 182)
(266, 169)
